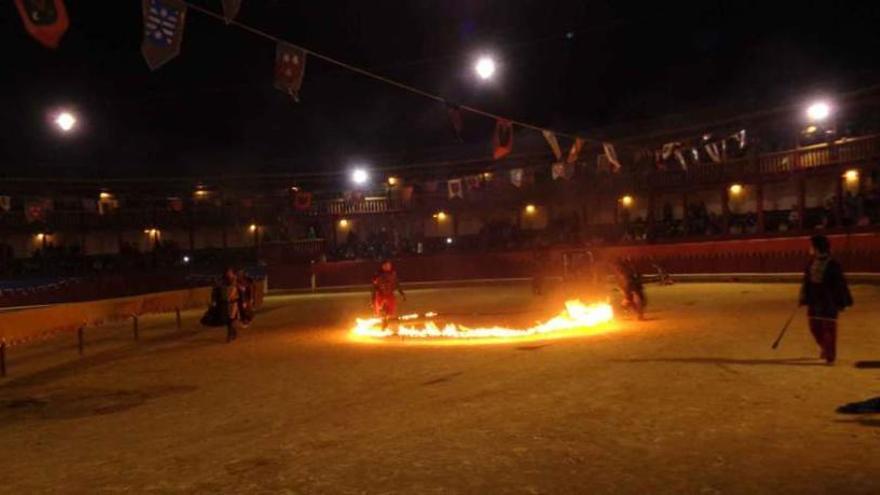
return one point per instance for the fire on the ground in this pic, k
(576, 316)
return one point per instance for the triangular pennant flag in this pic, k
(45, 20)
(175, 204)
(472, 182)
(713, 152)
(554, 144)
(516, 177)
(575, 150)
(681, 160)
(668, 149)
(455, 190)
(302, 201)
(290, 67)
(5, 203)
(406, 193)
(502, 140)
(230, 9)
(558, 170)
(89, 205)
(455, 119)
(611, 154)
(740, 138)
(35, 210)
(163, 31)
(107, 205)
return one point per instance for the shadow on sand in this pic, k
(872, 422)
(801, 361)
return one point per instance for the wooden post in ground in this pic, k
(177, 315)
(80, 340)
(134, 326)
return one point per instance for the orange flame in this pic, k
(575, 316)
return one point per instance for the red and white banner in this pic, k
(45, 20)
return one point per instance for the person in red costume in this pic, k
(385, 284)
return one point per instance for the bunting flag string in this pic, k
(164, 21)
(45, 20)
(311, 53)
(502, 140)
(554, 144)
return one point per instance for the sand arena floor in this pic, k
(691, 401)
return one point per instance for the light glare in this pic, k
(65, 121)
(485, 68)
(818, 111)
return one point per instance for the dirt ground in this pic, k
(691, 401)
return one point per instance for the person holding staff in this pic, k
(825, 293)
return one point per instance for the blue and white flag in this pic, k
(163, 30)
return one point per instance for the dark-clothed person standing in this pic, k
(825, 294)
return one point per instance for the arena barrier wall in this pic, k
(18, 325)
(857, 253)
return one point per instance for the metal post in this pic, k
(177, 314)
(2, 358)
(80, 340)
(134, 326)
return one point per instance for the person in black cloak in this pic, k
(825, 293)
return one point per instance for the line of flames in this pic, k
(576, 315)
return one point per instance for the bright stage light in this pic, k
(65, 121)
(485, 68)
(359, 176)
(627, 200)
(392, 181)
(818, 111)
(530, 209)
(736, 189)
(449, 240)
(343, 223)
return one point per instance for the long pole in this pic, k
(785, 328)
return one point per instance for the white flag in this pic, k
(611, 154)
